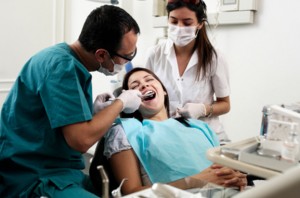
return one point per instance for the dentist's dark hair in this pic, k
(205, 49)
(105, 27)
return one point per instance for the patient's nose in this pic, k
(144, 85)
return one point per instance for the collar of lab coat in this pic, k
(170, 53)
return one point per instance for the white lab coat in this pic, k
(185, 89)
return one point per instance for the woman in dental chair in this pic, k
(148, 146)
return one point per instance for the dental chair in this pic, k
(286, 185)
(100, 160)
(97, 160)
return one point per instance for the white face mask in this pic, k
(181, 36)
(117, 69)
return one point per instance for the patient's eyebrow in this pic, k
(146, 76)
(134, 82)
(137, 81)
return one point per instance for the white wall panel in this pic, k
(26, 27)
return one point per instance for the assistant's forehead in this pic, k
(183, 13)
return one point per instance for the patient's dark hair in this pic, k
(137, 114)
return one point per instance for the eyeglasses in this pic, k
(195, 2)
(126, 57)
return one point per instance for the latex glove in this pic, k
(102, 101)
(192, 110)
(131, 100)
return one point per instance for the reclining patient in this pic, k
(148, 146)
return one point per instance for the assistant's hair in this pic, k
(105, 27)
(205, 49)
(137, 114)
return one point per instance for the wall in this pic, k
(26, 27)
(264, 67)
(262, 56)
(264, 64)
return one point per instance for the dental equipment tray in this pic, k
(250, 155)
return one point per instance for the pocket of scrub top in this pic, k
(60, 183)
(47, 186)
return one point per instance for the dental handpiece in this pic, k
(147, 94)
(143, 97)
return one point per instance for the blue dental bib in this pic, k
(169, 150)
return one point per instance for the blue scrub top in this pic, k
(53, 90)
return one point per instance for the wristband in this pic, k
(211, 109)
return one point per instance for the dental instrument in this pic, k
(147, 95)
(116, 193)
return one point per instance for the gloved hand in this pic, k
(192, 110)
(131, 100)
(102, 101)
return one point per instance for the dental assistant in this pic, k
(195, 74)
(47, 120)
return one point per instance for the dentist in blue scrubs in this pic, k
(47, 120)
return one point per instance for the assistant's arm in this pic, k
(200, 110)
(221, 86)
(219, 107)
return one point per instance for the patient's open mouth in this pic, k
(149, 95)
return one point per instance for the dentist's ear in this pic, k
(100, 55)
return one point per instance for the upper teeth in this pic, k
(148, 92)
